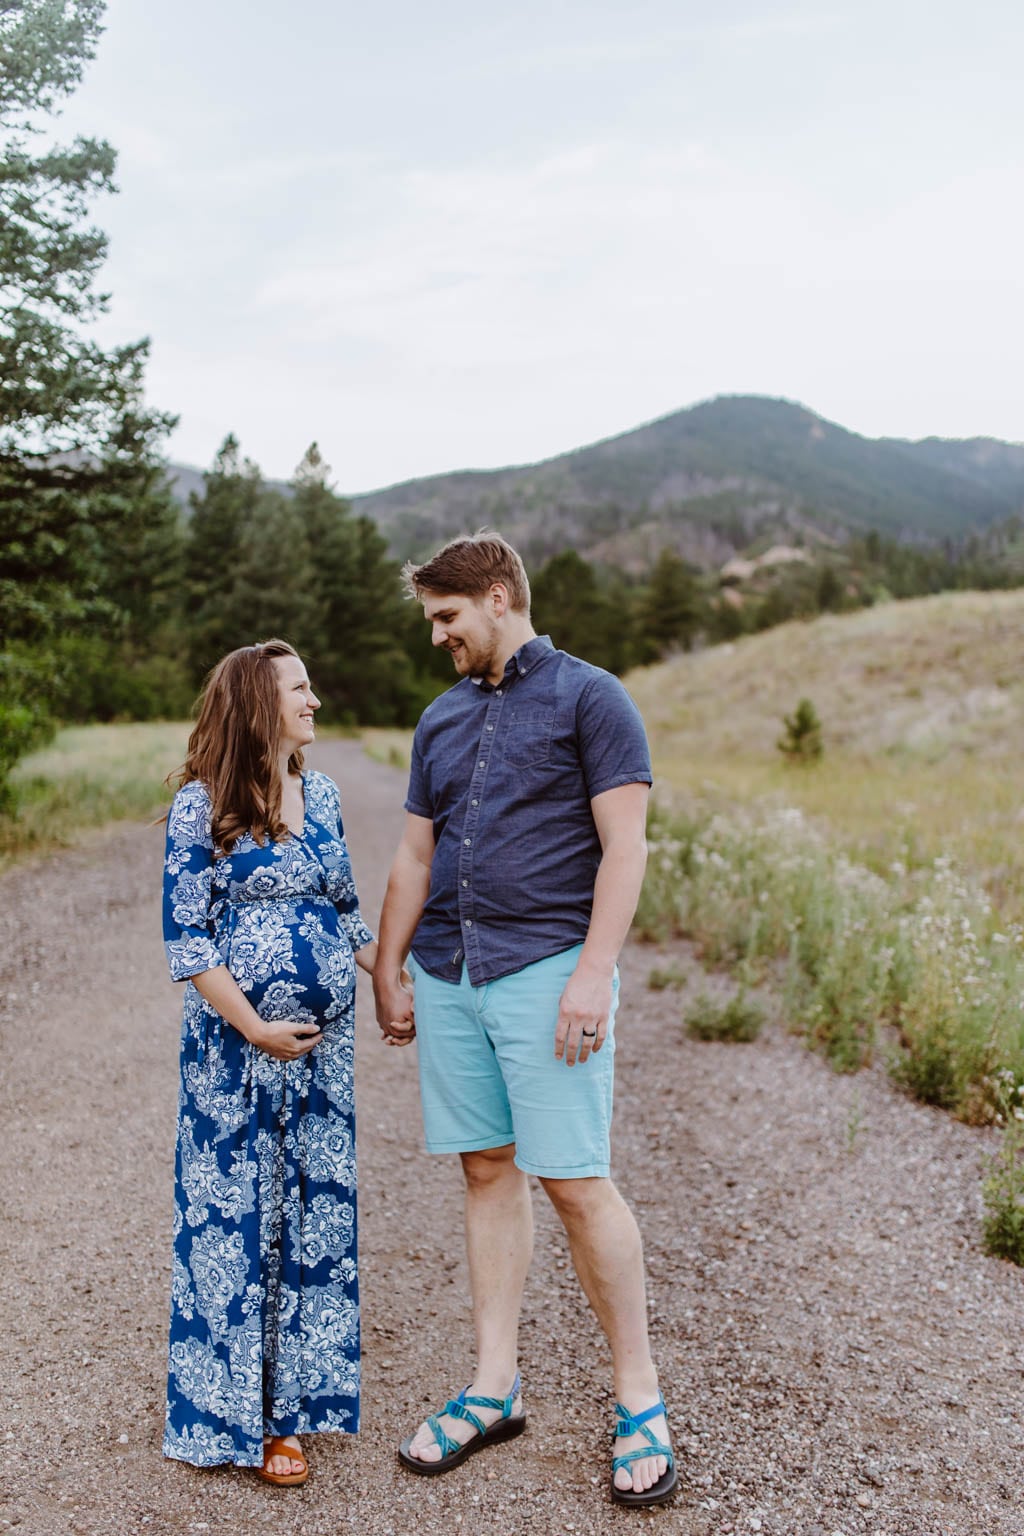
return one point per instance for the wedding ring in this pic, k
(589, 1034)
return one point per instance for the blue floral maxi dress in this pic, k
(264, 1332)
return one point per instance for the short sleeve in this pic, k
(417, 801)
(611, 736)
(188, 885)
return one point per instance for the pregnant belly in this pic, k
(292, 964)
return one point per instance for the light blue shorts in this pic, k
(489, 1076)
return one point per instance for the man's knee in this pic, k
(580, 1198)
(491, 1166)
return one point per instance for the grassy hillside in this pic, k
(923, 710)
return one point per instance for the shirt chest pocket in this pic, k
(528, 736)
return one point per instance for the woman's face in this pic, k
(298, 703)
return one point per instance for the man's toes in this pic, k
(623, 1478)
(424, 1447)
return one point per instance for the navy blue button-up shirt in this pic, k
(506, 774)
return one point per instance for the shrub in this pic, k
(739, 1019)
(26, 683)
(1003, 1189)
(659, 980)
(801, 742)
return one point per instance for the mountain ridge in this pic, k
(711, 481)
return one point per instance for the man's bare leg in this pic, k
(499, 1245)
(608, 1254)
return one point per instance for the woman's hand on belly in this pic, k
(285, 1039)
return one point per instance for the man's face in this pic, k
(467, 629)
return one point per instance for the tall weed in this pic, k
(919, 950)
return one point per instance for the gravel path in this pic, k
(837, 1353)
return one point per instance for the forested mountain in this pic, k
(712, 481)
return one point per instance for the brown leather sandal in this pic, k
(277, 1447)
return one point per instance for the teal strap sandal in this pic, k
(636, 1424)
(452, 1453)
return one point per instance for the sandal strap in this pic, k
(636, 1424)
(642, 1453)
(445, 1442)
(633, 1423)
(503, 1404)
(456, 1408)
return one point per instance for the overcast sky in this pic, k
(455, 234)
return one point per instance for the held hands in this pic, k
(395, 1014)
(583, 1015)
(285, 1039)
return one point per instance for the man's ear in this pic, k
(497, 595)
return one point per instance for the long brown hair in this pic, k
(235, 745)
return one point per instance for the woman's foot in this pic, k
(283, 1461)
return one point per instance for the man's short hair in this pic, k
(468, 567)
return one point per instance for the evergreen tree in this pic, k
(569, 605)
(76, 442)
(213, 550)
(274, 589)
(672, 612)
(361, 666)
(65, 403)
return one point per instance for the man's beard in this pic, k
(476, 660)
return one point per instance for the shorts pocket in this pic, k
(528, 737)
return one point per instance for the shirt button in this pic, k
(490, 727)
(498, 692)
(468, 842)
(481, 764)
(476, 802)
(465, 882)
(469, 922)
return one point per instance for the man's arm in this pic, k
(620, 816)
(404, 900)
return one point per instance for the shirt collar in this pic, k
(522, 661)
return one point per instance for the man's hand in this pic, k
(583, 1014)
(395, 1013)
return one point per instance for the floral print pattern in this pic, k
(264, 1336)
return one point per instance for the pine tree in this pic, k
(65, 403)
(671, 614)
(360, 666)
(569, 605)
(213, 550)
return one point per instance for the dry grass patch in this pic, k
(922, 705)
(87, 776)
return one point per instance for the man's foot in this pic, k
(644, 1467)
(463, 1426)
(283, 1461)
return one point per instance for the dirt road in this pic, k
(836, 1352)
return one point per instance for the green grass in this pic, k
(87, 776)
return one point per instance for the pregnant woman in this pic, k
(261, 920)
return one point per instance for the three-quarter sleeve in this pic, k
(188, 885)
(346, 897)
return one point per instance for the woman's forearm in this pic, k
(220, 989)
